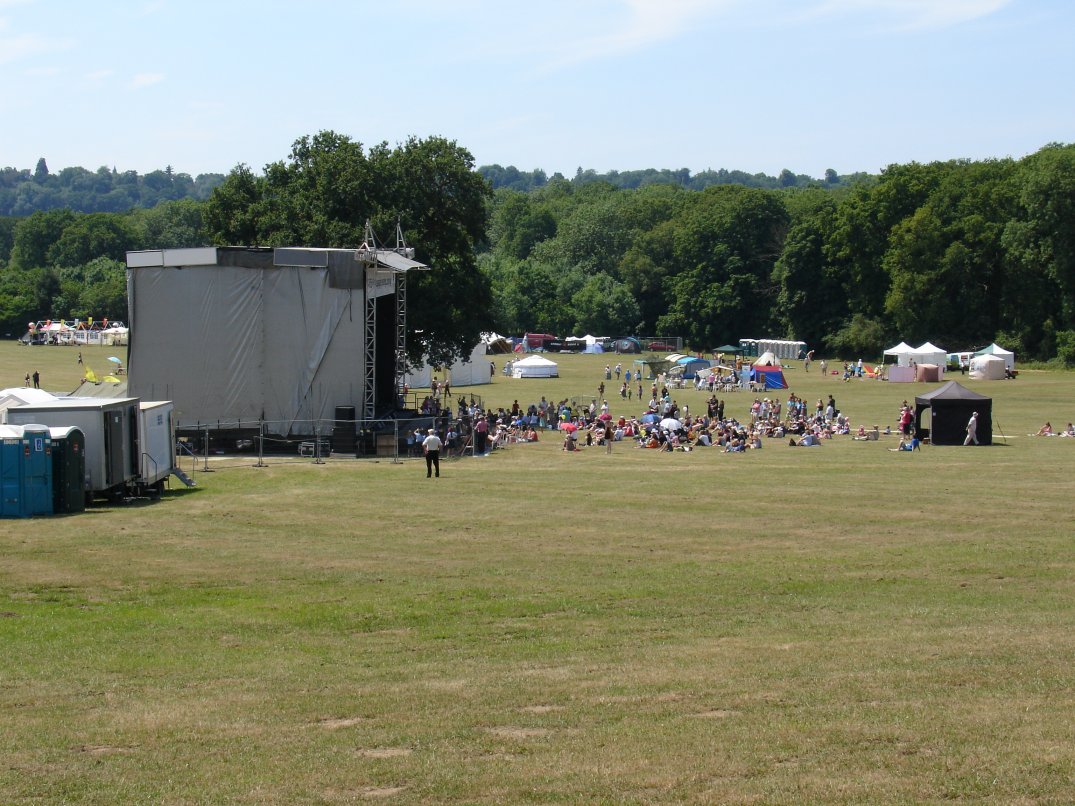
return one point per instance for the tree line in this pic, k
(105, 190)
(959, 252)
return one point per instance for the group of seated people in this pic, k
(728, 434)
(1047, 431)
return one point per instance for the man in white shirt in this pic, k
(431, 446)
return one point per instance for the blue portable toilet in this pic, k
(25, 471)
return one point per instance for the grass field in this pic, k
(839, 625)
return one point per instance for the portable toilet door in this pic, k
(37, 451)
(12, 499)
(68, 469)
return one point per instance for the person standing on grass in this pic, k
(972, 430)
(431, 446)
(37, 379)
(609, 436)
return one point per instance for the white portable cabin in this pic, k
(156, 442)
(111, 430)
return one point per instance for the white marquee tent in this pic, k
(902, 353)
(987, 368)
(999, 352)
(535, 366)
(473, 371)
(929, 354)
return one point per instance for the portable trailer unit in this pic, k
(68, 469)
(25, 470)
(111, 430)
(156, 443)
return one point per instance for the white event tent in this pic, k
(535, 366)
(929, 354)
(999, 352)
(902, 353)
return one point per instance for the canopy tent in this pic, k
(496, 344)
(951, 407)
(772, 377)
(768, 359)
(535, 366)
(988, 368)
(929, 354)
(902, 352)
(998, 351)
(653, 366)
(692, 366)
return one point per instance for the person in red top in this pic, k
(905, 420)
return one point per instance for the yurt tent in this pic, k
(627, 345)
(766, 369)
(987, 368)
(767, 359)
(951, 407)
(998, 351)
(772, 377)
(535, 366)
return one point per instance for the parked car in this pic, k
(661, 346)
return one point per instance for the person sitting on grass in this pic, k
(1045, 431)
(912, 444)
(1069, 431)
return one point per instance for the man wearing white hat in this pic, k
(431, 446)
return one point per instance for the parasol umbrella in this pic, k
(568, 427)
(606, 416)
(649, 418)
(671, 423)
(114, 360)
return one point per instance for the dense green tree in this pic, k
(724, 247)
(810, 300)
(1041, 236)
(35, 235)
(7, 238)
(171, 225)
(91, 236)
(604, 306)
(330, 186)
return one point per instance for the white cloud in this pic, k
(143, 80)
(917, 14)
(151, 8)
(24, 46)
(645, 23)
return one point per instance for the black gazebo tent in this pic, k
(951, 406)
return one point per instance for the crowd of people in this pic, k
(665, 425)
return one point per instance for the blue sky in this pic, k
(755, 85)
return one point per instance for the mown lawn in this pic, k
(841, 625)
